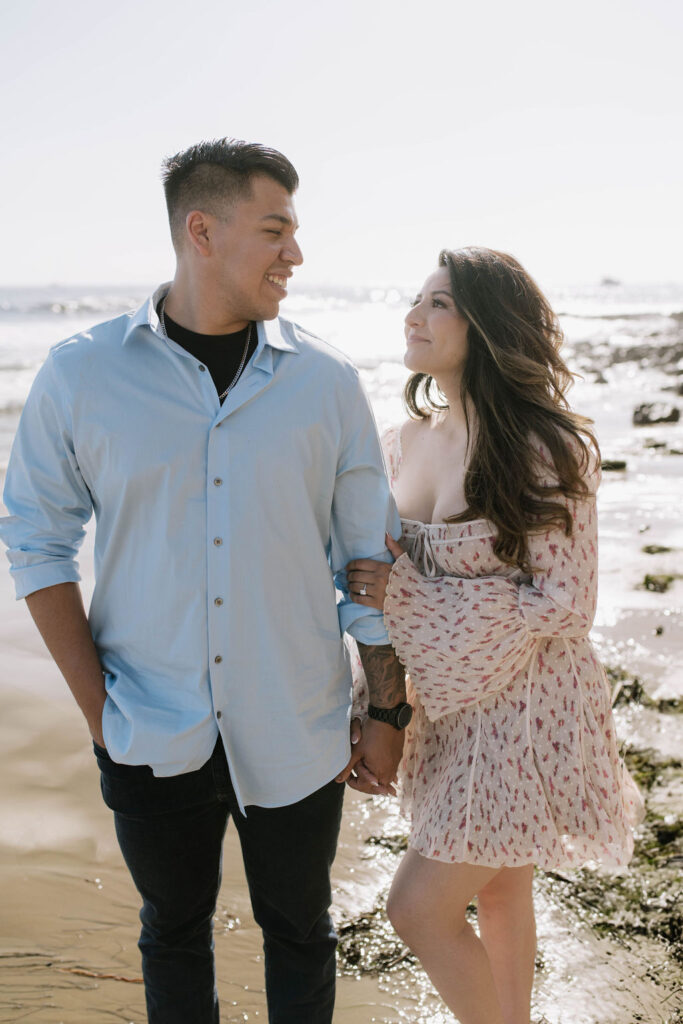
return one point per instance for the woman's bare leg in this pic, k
(427, 905)
(508, 931)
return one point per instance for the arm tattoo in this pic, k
(385, 675)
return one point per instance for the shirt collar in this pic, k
(276, 333)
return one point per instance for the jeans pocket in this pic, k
(100, 751)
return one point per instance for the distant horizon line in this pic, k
(606, 281)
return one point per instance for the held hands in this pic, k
(368, 579)
(376, 750)
(377, 747)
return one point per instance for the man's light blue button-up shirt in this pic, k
(221, 531)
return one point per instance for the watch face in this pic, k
(399, 716)
(404, 715)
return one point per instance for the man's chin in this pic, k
(269, 312)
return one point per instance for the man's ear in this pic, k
(197, 229)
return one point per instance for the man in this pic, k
(233, 467)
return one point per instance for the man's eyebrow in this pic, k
(282, 219)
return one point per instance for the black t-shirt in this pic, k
(221, 354)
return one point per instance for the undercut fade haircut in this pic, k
(212, 176)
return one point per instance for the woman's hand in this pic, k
(368, 579)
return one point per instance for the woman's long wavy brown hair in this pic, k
(516, 381)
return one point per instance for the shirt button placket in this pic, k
(216, 497)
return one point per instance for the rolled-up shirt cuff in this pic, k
(30, 578)
(364, 625)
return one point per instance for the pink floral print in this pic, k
(512, 756)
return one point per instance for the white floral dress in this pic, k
(511, 757)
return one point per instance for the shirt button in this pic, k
(218, 541)
(219, 714)
(218, 601)
(202, 369)
(217, 481)
(218, 659)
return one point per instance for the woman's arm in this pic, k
(462, 640)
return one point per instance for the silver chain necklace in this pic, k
(162, 323)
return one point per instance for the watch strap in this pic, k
(398, 716)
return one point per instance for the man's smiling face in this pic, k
(253, 252)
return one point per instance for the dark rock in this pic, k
(647, 766)
(663, 355)
(628, 689)
(612, 465)
(655, 412)
(658, 584)
(655, 549)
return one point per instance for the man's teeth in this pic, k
(280, 281)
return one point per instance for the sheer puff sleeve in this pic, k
(462, 639)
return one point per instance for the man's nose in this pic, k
(292, 253)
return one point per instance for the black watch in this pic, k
(398, 716)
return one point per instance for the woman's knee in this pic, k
(415, 914)
(401, 910)
(510, 892)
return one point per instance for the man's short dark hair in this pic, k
(211, 176)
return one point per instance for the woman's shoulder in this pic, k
(398, 436)
(391, 448)
(402, 434)
(394, 440)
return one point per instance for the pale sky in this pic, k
(552, 130)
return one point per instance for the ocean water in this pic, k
(367, 324)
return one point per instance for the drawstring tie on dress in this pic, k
(423, 552)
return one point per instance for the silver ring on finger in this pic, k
(363, 590)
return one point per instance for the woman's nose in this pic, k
(413, 316)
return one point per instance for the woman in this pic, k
(511, 758)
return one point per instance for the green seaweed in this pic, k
(628, 689)
(394, 843)
(369, 945)
(658, 583)
(647, 768)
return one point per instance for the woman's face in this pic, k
(436, 331)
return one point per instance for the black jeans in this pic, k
(170, 831)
